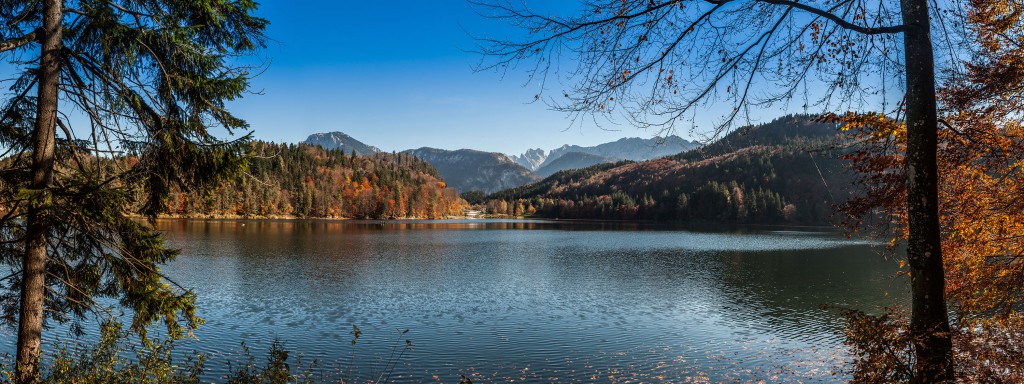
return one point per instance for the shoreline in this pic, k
(653, 223)
(282, 218)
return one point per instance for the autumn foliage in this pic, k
(287, 180)
(981, 155)
(983, 229)
(773, 173)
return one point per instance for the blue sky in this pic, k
(399, 75)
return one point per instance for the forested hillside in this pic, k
(341, 142)
(778, 172)
(309, 181)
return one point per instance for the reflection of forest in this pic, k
(793, 286)
(765, 287)
(524, 290)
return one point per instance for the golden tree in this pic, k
(656, 63)
(980, 160)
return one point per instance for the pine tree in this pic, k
(149, 78)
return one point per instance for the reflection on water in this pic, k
(533, 300)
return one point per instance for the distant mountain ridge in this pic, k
(472, 170)
(785, 171)
(630, 148)
(572, 160)
(464, 169)
(340, 141)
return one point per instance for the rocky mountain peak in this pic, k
(531, 159)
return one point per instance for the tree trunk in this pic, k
(929, 320)
(33, 288)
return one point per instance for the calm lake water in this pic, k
(530, 300)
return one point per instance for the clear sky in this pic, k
(399, 75)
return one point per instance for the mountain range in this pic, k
(572, 160)
(471, 170)
(785, 171)
(630, 148)
(488, 172)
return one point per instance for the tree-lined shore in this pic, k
(307, 181)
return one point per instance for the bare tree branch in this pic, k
(21, 41)
(831, 17)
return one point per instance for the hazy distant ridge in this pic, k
(631, 148)
(471, 170)
(488, 172)
(572, 160)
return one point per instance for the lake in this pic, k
(502, 300)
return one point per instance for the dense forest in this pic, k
(308, 181)
(779, 172)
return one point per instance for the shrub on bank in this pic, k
(117, 357)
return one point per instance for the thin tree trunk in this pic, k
(929, 320)
(33, 289)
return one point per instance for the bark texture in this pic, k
(33, 290)
(929, 319)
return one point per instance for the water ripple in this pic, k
(534, 301)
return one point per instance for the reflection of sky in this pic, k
(513, 298)
(504, 297)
